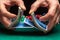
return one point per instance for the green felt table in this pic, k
(11, 35)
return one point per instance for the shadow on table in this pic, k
(10, 32)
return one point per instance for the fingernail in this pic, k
(23, 7)
(30, 11)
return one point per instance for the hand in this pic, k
(37, 4)
(5, 15)
(52, 13)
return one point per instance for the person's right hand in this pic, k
(52, 13)
(5, 15)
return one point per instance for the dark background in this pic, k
(28, 4)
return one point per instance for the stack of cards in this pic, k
(39, 24)
(22, 22)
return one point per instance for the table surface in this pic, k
(11, 35)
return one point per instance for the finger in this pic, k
(57, 21)
(51, 12)
(35, 5)
(44, 4)
(58, 18)
(51, 24)
(20, 3)
(5, 21)
(45, 17)
(4, 12)
(59, 14)
(52, 21)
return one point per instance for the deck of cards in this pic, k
(21, 23)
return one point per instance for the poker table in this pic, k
(12, 35)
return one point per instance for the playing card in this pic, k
(39, 24)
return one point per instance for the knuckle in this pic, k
(52, 15)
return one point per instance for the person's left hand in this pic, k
(5, 15)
